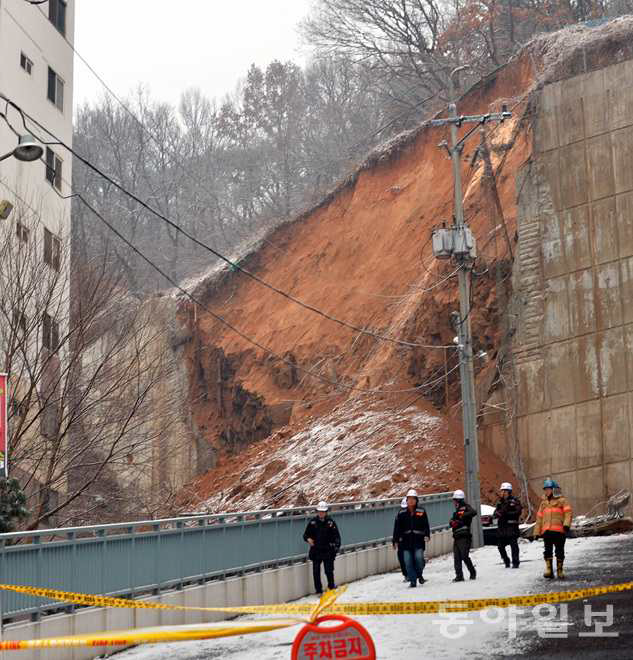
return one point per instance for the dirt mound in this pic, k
(363, 255)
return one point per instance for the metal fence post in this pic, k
(179, 526)
(131, 563)
(71, 537)
(102, 545)
(156, 590)
(35, 616)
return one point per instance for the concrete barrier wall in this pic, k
(278, 585)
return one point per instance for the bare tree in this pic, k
(400, 40)
(84, 361)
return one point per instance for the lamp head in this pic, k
(28, 149)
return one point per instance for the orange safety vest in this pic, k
(553, 515)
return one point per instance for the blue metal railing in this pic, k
(148, 556)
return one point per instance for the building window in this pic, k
(50, 333)
(26, 63)
(55, 91)
(57, 14)
(18, 408)
(52, 249)
(19, 323)
(21, 232)
(53, 168)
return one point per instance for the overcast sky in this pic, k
(171, 45)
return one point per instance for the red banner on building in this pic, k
(4, 434)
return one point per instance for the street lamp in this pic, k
(27, 150)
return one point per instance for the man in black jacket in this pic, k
(507, 513)
(462, 538)
(325, 541)
(410, 532)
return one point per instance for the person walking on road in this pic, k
(398, 547)
(325, 541)
(553, 521)
(462, 538)
(410, 533)
(508, 513)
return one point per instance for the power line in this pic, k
(350, 149)
(144, 127)
(234, 265)
(226, 323)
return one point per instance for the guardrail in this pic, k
(129, 559)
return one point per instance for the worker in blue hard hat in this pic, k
(553, 521)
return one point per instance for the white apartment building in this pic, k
(36, 73)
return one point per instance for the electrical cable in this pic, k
(230, 326)
(144, 127)
(234, 265)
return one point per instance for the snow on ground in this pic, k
(483, 634)
(374, 434)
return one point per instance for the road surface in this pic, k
(493, 633)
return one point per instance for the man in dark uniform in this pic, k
(325, 541)
(507, 513)
(462, 538)
(410, 533)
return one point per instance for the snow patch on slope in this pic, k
(356, 447)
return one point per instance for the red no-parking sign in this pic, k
(347, 640)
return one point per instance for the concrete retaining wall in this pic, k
(573, 287)
(273, 586)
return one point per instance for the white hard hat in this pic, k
(412, 492)
(322, 506)
(459, 495)
(506, 485)
(403, 504)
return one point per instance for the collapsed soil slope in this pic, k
(282, 436)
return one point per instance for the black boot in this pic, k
(458, 578)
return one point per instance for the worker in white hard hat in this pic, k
(508, 514)
(324, 539)
(462, 537)
(410, 533)
(399, 549)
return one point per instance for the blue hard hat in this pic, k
(550, 483)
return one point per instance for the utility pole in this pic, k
(458, 243)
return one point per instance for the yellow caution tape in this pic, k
(162, 634)
(328, 603)
(149, 635)
(431, 607)
(109, 601)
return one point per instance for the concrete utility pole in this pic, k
(458, 243)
